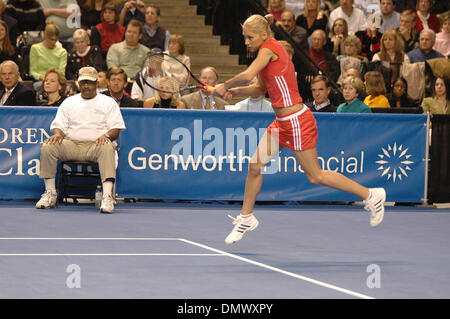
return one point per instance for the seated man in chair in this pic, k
(83, 130)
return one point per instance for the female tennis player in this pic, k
(294, 124)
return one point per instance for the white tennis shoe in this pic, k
(243, 224)
(107, 204)
(375, 204)
(48, 200)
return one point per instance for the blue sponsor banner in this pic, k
(187, 154)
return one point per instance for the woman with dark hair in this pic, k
(91, 13)
(439, 103)
(7, 50)
(399, 96)
(108, 31)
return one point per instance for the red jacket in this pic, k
(433, 23)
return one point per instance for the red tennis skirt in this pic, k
(296, 131)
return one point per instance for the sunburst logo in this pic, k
(394, 162)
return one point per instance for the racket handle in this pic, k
(208, 88)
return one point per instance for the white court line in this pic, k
(107, 254)
(313, 281)
(217, 251)
(85, 238)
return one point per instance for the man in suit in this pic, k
(297, 33)
(202, 99)
(117, 82)
(321, 88)
(14, 93)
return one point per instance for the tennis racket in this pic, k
(165, 65)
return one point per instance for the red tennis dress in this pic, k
(298, 130)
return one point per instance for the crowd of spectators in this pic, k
(383, 43)
(367, 47)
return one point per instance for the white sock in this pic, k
(246, 216)
(107, 188)
(50, 184)
(370, 194)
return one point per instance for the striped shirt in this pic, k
(279, 77)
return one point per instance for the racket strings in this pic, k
(159, 64)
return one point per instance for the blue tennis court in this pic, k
(177, 251)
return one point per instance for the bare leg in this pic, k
(267, 148)
(315, 174)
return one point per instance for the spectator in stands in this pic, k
(91, 12)
(276, 8)
(298, 34)
(255, 103)
(54, 88)
(338, 34)
(129, 54)
(131, 10)
(424, 18)
(108, 31)
(321, 89)
(371, 37)
(353, 87)
(425, 50)
(7, 50)
(47, 54)
(154, 36)
(406, 30)
(439, 103)
(375, 90)
(173, 68)
(352, 48)
(84, 128)
(102, 82)
(442, 43)
(117, 82)
(14, 92)
(29, 12)
(399, 96)
(312, 18)
(146, 80)
(355, 17)
(84, 55)
(391, 18)
(324, 59)
(391, 53)
(349, 62)
(166, 100)
(10, 22)
(203, 99)
(60, 11)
